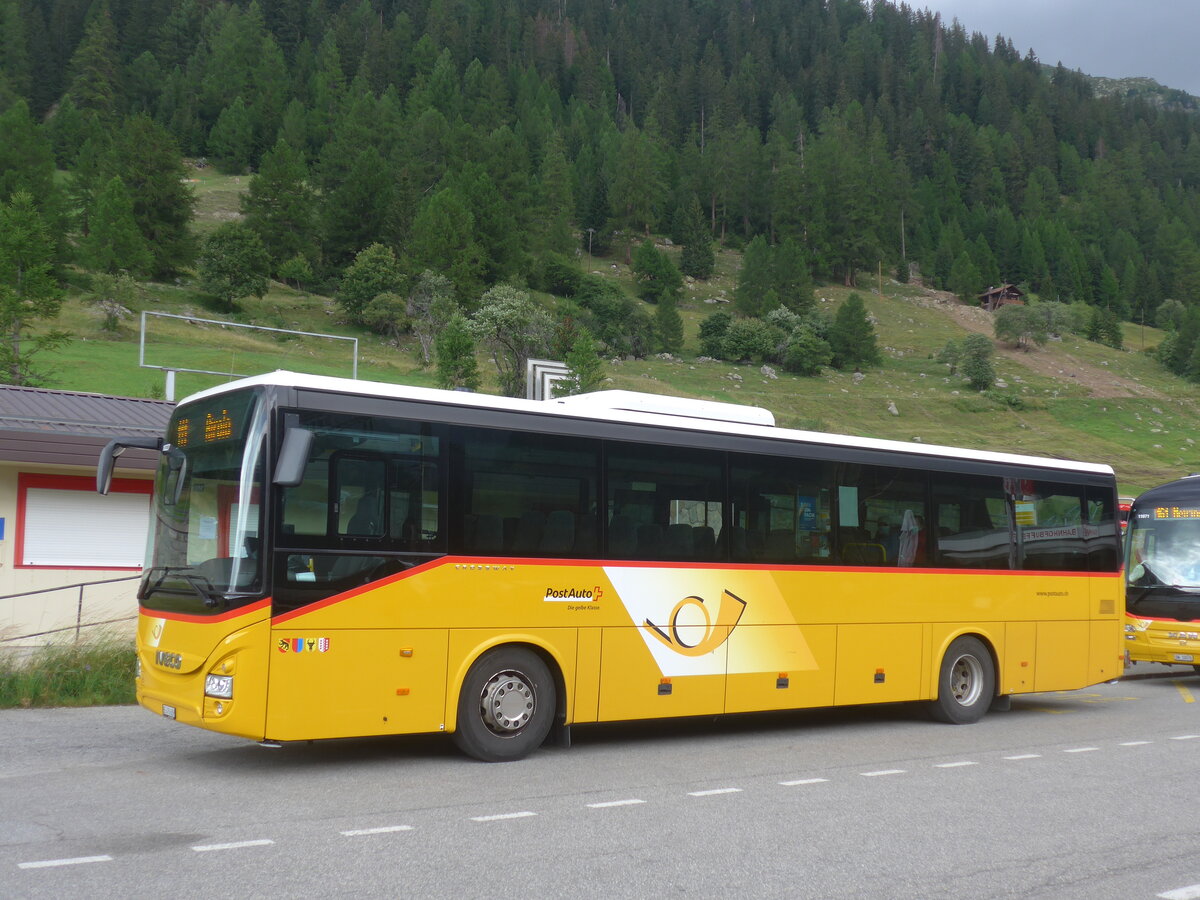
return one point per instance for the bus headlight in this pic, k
(218, 686)
(137, 668)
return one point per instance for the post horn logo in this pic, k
(678, 631)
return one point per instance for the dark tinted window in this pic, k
(782, 510)
(1102, 532)
(664, 503)
(525, 494)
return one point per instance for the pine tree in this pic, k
(231, 141)
(852, 337)
(977, 362)
(698, 259)
(657, 278)
(94, 70)
(583, 362)
(755, 278)
(148, 162)
(113, 242)
(281, 207)
(668, 325)
(28, 290)
(791, 277)
(355, 213)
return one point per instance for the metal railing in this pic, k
(79, 625)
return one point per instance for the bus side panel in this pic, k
(1061, 663)
(878, 663)
(632, 686)
(468, 644)
(1108, 652)
(587, 677)
(353, 682)
(1018, 661)
(807, 680)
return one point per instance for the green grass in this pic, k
(1048, 413)
(94, 673)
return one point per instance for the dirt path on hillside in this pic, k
(1060, 364)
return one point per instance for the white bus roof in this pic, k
(638, 408)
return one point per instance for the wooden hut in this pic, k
(995, 297)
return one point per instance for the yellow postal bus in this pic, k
(1162, 593)
(333, 558)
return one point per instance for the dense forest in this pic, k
(489, 140)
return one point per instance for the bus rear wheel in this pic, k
(966, 683)
(506, 705)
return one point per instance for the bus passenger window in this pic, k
(971, 524)
(664, 503)
(781, 509)
(528, 495)
(881, 517)
(1050, 522)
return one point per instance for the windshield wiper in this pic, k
(200, 585)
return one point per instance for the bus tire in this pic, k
(966, 683)
(506, 705)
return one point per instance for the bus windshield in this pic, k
(1163, 570)
(203, 555)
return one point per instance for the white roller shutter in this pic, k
(84, 529)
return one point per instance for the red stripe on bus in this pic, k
(651, 564)
(222, 617)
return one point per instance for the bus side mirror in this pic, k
(293, 457)
(113, 449)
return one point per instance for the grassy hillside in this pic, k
(1071, 398)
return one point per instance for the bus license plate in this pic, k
(1183, 657)
(168, 711)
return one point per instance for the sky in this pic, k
(1159, 39)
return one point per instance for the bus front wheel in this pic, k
(506, 705)
(966, 683)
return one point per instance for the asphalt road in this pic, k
(1091, 794)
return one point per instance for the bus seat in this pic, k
(678, 543)
(366, 521)
(862, 553)
(622, 538)
(705, 541)
(529, 532)
(559, 533)
(488, 534)
(585, 535)
(781, 545)
(649, 541)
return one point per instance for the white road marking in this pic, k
(882, 772)
(1135, 743)
(607, 803)
(75, 861)
(1191, 892)
(497, 818)
(1025, 756)
(954, 765)
(236, 845)
(804, 781)
(714, 791)
(1081, 750)
(1186, 737)
(386, 829)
